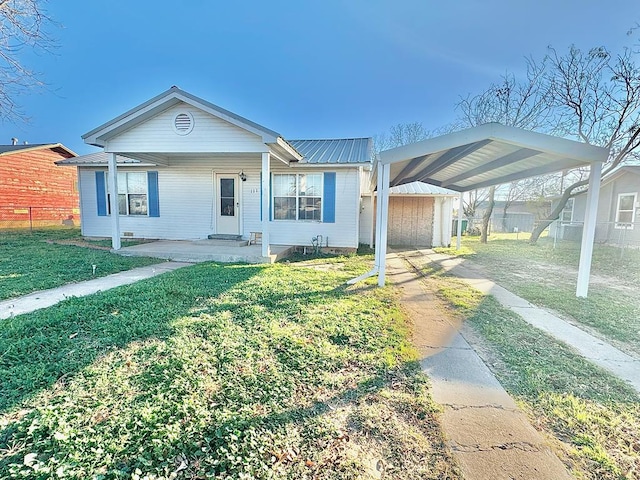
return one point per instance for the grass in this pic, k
(592, 417)
(235, 371)
(546, 277)
(30, 262)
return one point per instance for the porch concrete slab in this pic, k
(197, 251)
(46, 298)
(596, 350)
(488, 435)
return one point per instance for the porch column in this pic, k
(383, 202)
(589, 230)
(266, 194)
(113, 202)
(460, 209)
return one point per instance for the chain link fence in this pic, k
(30, 217)
(615, 234)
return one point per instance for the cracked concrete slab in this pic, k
(47, 298)
(488, 435)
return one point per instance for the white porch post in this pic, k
(383, 201)
(460, 209)
(266, 172)
(113, 203)
(589, 230)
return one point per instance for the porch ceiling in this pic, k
(486, 155)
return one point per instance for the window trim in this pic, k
(625, 225)
(566, 209)
(127, 214)
(321, 195)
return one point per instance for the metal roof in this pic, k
(96, 159)
(490, 154)
(420, 188)
(335, 151)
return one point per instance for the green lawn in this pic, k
(546, 276)
(591, 417)
(234, 371)
(30, 262)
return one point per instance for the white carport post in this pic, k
(383, 205)
(266, 172)
(459, 229)
(589, 230)
(113, 202)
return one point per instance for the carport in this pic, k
(482, 156)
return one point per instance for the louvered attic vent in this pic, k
(183, 123)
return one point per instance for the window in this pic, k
(297, 196)
(625, 212)
(567, 212)
(132, 193)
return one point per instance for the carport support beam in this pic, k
(113, 202)
(589, 230)
(459, 229)
(383, 203)
(266, 195)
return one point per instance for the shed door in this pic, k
(227, 204)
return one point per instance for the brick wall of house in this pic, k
(33, 189)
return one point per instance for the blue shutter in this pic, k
(329, 199)
(153, 198)
(101, 194)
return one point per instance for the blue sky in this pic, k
(320, 69)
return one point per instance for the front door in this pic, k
(227, 204)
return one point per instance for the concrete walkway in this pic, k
(596, 350)
(46, 298)
(490, 438)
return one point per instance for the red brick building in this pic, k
(33, 190)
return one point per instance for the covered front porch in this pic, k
(196, 251)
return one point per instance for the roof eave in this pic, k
(98, 136)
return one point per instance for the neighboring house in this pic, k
(618, 218)
(33, 190)
(521, 215)
(188, 169)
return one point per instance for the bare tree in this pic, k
(401, 134)
(487, 215)
(22, 26)
(511, 103)
(591, 96)
(595, 97)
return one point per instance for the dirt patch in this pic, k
(323, 267)
(78, 243)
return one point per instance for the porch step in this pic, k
(218, 236)
(224, 243)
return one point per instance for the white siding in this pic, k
(187, 201)
(210, 134)
(366, 219)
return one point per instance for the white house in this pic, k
(185, 168)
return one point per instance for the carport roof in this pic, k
(489, 154)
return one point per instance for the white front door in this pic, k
(227, 204)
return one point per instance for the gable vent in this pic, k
(183, 123)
